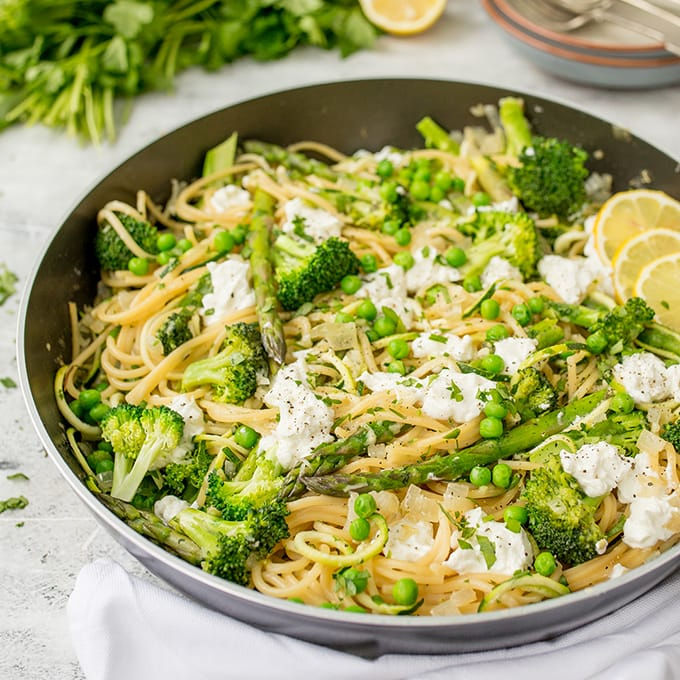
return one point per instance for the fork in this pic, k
(556, 18)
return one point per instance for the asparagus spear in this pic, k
(436, 136)
(297, 162)
(451, 466)
(271, 328)
(327, 458)
(147, 524)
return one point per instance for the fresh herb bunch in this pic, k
(67, 63)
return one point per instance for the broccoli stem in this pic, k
(436, 137)
(147, 524)
(330, 457)
(517, 130)
(451, 466)
(271, 327)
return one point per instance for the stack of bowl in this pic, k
(598, 53)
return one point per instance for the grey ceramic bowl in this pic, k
(348, 115)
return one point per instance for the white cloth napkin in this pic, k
(126, 628)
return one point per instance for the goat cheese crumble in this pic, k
(597, 468)
(316, 223)
(514, 351)
(230, 197)
(231, 290)
(305, 421)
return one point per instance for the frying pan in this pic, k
(347, 115)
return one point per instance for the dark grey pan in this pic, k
(347, 115)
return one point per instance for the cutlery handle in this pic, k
(635, 16)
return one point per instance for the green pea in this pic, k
(102, 466)
(494, 409)
(366, 310)
(472, 284)
(164, 257)
(422, 174)
(405, 592)
(420, 189)
(501, 475)
(343, 317)
(350, 284)
(491, 428)
(385, 168)
(139, 266)
(359, 529)
(372, 335)
(443, 180)
(239, 232)
(89, 398)
(516, 513)
(364, 505)
(97, 457)
(622, 402)
(98, 411)
(492, 363)
(105, 446)
(384, 326)
(597, 342)
(397, 366)
(489, 309)
(184, 244)
(480, 199)
(398, 348)
(437, 194)
(166, 241)
(545, 563)
(404, 259)
(390, 227)
(369, 263)
(536, 305)
(455, 256)
(389, 192)
(223, 242)
(403, 236)
(246, 437)
(497, 332)
(480, 476)
(458, 185)
(521, 314)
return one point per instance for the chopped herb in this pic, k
(7, 281)
(17, 503)
(17, 475)
(8, 383)
(488, 550)
(456, 394)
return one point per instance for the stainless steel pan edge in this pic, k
(348, 115)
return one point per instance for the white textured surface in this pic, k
(43, 174)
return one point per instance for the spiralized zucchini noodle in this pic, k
(414, 338)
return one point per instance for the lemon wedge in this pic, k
(657, 284)
(628, 213)
(636, 253)
(403, 17)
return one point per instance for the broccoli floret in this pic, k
(175, 331)
(255, 485)
(511, 236)
(186, 476)
(111, 251)
(303, 270)
(671, 433)
(139, 437)
(229, 547)
(532, 393)
(551, 174)
(561, 517)
(233, 371)
(611, 330)
(619, 429)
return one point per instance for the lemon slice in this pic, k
(628, 213)
(658, 285)
(403, 17)
(636, 253)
